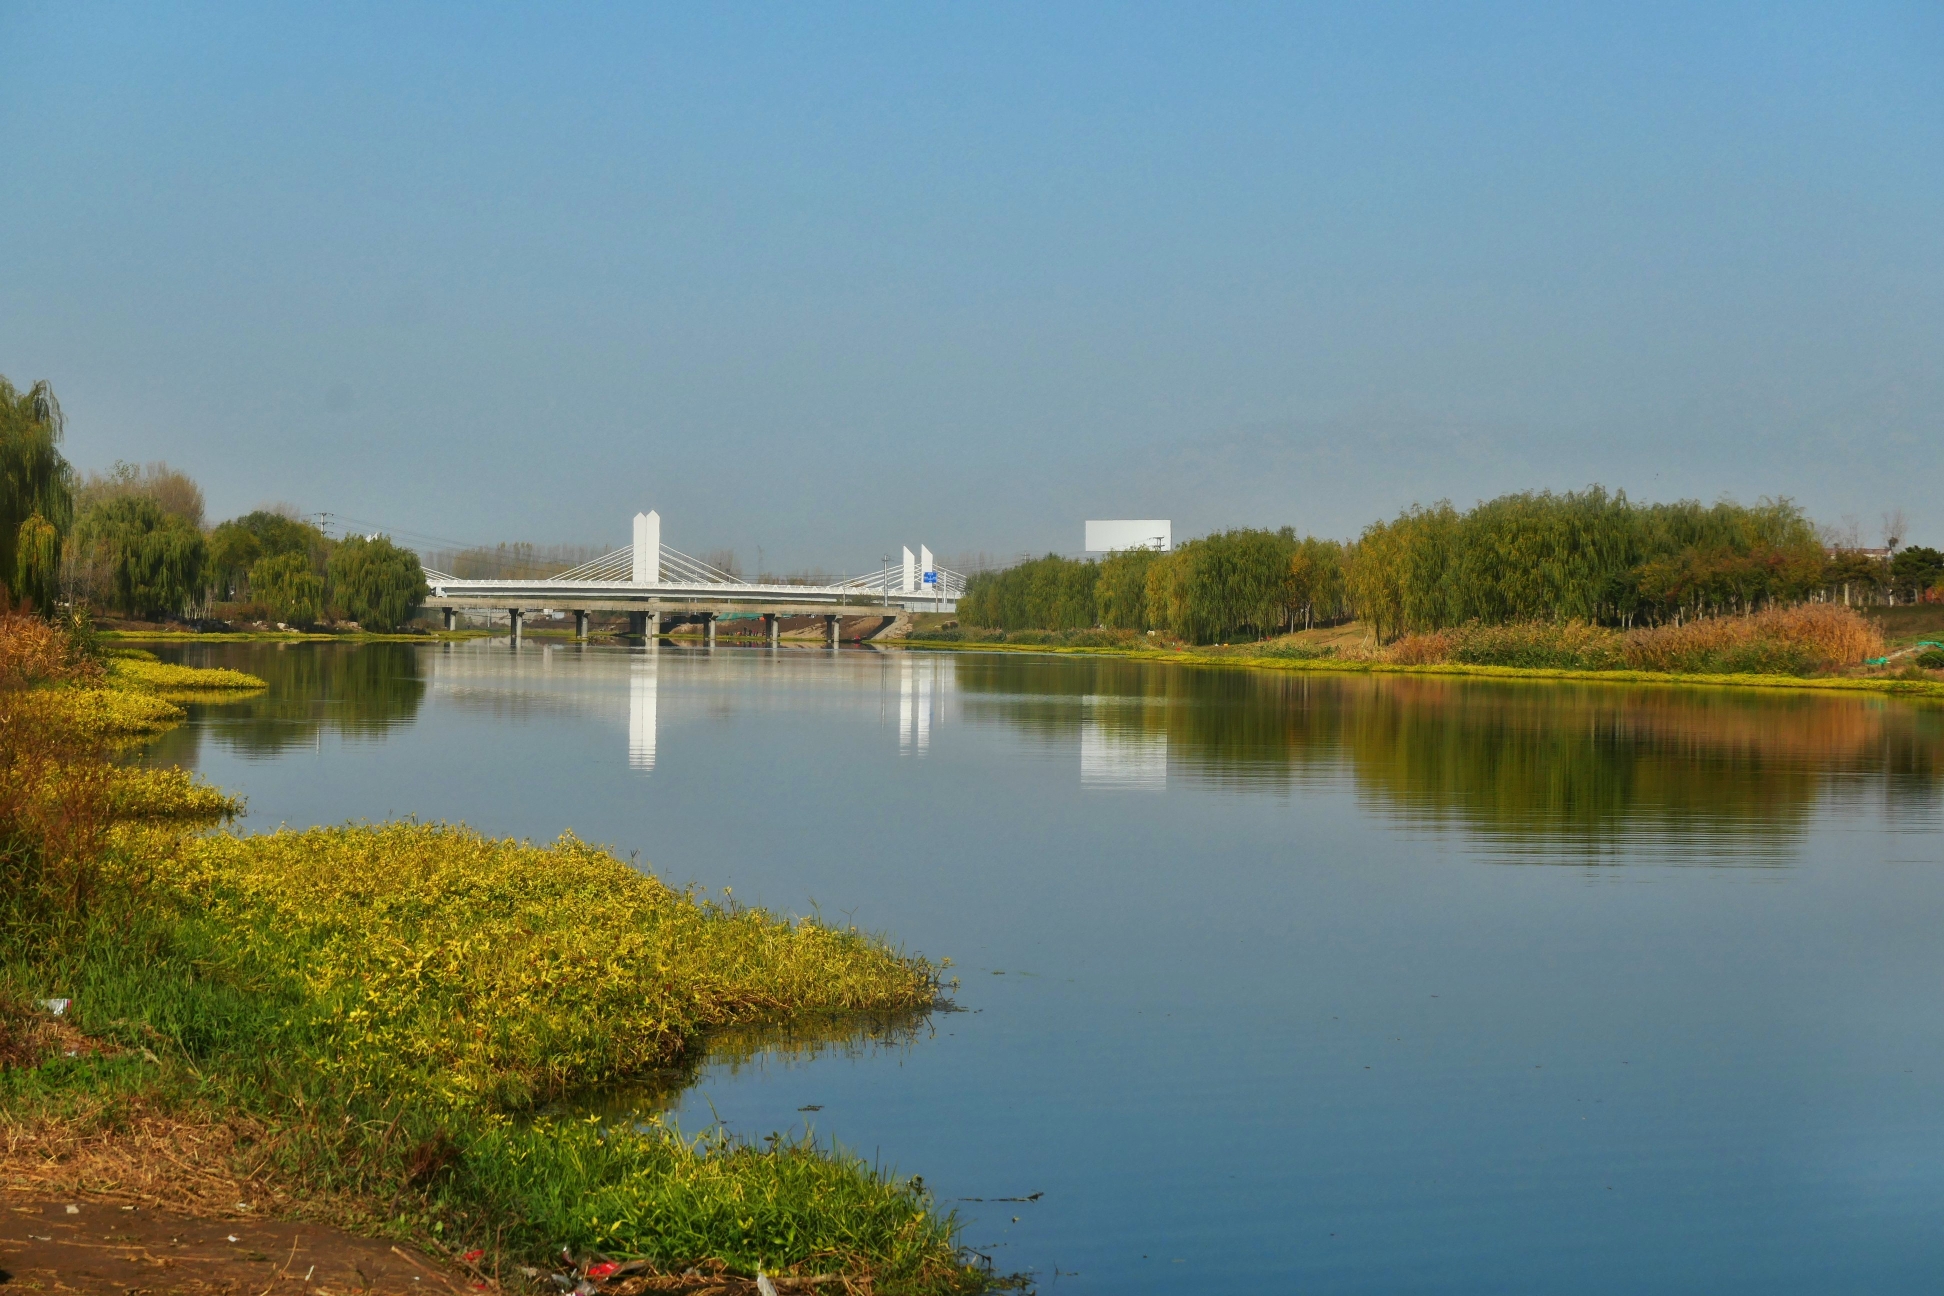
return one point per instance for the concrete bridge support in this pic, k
(773, 629)
(638, 623)
(451, 619)
(514, 616)
(580, 626)
(832, 626)
(708, 629)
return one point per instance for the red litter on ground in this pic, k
(602, 1269)
(473, 1255)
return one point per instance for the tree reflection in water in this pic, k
(1583, 767)
(349, 690)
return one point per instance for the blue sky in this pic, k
(826, 279)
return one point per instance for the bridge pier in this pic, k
(708, 629)
(638, 623)
(832, 625)
(451, 619)
(514, 617)
(773, 629)
(580, 626)
(651, 627)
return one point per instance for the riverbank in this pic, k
(370, 1022)
(286, 636)
(1241, 656)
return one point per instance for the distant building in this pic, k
(1874, 555)
(1138, 533)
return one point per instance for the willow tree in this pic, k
(148, 562)
(36, 491)
(1121, 591)
(377, 583)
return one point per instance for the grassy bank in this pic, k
(1296, 654)
(287, 636)
(375, 1019)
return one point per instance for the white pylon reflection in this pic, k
(641, 712)
(915, 679)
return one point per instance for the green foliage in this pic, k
(1050, 593)
(37, 563)
(1318, 586)
(1931, 659)
(236, 546)
(378, 584)
(374, 992)
(174, 491)
(1121, 592)
(35, 482)
(1227, 585)
(286, 585)
(1584, 555)
(150, 561)
(1916, 570)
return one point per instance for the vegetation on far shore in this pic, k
(1582, 557)
(133, 540)
(388, 1011)
(1814, 646)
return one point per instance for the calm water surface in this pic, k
(1331, 984)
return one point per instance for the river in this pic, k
(1268, 981)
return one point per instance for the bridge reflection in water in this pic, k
(641, 712)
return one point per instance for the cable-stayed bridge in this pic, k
(659, 586)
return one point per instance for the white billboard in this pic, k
(1140, 533)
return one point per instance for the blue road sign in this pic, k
(931, 578)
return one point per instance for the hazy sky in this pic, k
(826, 279)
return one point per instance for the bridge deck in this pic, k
(625, 596)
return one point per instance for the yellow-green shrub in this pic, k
(500, 973)
(145, 672)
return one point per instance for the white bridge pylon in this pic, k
(650, 579)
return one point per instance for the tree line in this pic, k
(133, 540)
(1590, 556)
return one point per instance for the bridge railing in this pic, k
(889, 581)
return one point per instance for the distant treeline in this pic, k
(133, 539)
(1590, 556)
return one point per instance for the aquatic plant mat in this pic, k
(368, 1026)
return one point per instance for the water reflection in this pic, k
(358, 691)
(756, 1050)
(1706, 772)
(918, 685)
(641, 711)
(1118, 749)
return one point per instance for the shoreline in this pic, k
(1341, 666)
(412, 1100)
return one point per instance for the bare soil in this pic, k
(95, 1245)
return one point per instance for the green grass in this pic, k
(396, 1003)
(396, 1012)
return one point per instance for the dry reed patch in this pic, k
(1820, 634)
(1421, 649)
(118, 1151)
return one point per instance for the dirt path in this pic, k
(95, 1246)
